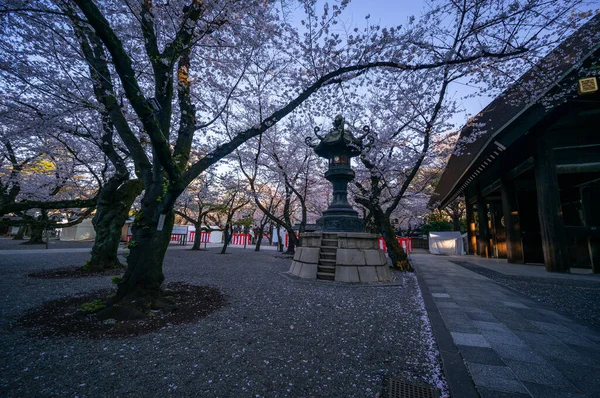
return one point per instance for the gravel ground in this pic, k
(578, 298)
(10, 244)
(277, 336)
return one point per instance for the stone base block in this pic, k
(360, 257)
(383, 273)
(346, 274)
(357, 240)
(307, 254)
(362, 274)
(303, 270)
(367, 274)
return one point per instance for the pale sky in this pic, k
(388, 13)
(396, 12)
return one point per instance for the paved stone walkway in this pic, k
(511, 345)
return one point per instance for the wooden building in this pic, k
(528, 165)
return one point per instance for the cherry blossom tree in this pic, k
(176, 68)
(200, 204)
(281, 165)
(38, 172)
(233, 197)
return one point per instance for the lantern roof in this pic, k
(338, 141)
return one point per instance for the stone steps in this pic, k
(329, 242)
(325, 276)
(327, 257)
(326, 269)
(327, 261)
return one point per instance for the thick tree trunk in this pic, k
(270, 234)
(112, 211)
(227, 237)
(259, 238)
(395, 251)
(37, 232)
(151, 235)
(292, 241)
(279, 240)
(197, 237)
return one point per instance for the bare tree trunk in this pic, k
(270, 234)
(36, 237)
(112, 211)
(395, 251)
(279, 240)
(37, 230)
(261, 231)
(292, 241)
(197, 237)
(151, 231)
(227, 237)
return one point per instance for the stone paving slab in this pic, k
(511, 345)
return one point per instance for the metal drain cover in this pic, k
(398, 388)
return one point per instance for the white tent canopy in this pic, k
(446, 243)
(79, 232)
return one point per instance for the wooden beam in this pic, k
(554, 241)
(491, 188)
(578, 168)
(514, 244)
(520, 169)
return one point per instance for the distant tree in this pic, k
(197, 204)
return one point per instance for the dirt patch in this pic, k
(72, 272)
(64, 317)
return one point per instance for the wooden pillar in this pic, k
(471, 234)
(514, 245)
(554, 239)
(493, 230)
(499, 231)
(590, 197)
(483, 241)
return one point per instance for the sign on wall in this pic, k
(180, 230)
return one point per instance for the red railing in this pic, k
(241, 239)
(405, 242)
(287, 239)
(204, 236)
(174, 238)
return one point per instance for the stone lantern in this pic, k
(338, 147)
(341, 251)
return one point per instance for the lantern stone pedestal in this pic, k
(352, 257)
